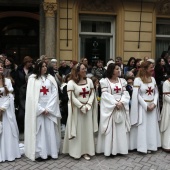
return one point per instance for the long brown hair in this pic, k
(75, 73)
(142, 73)
(3, 79)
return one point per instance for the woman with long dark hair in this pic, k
(9, 135)
(114, 114)
(42, 115)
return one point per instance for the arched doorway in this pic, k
(19, 37)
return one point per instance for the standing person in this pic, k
(98, 70)
(114, 114)
(42, 114)
(21, 72)
(144, 134)
(9, 135)
(119, 61)
(130, 65)
(9, 69)
(44, 58)
(165, 125)
(64, 69)
(137, 65)
(84, 60)
(160, 76)
(82, 115)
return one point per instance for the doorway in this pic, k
(19, 37)
(95, 48)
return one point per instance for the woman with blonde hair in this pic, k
(145, 134)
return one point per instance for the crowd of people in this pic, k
(126, 106)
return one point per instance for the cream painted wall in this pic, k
(127, 28)
(65, 51)
(131, 30)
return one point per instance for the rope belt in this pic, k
(148, 100)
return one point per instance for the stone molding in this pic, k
(50, 9)
(96, 5)
(163, 7)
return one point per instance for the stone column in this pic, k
(42, 30)
(50, 9)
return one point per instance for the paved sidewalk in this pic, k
(133, 161)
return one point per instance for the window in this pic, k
(97, 38)
(162, 36)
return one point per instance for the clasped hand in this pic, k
(119, 105)
(84, 109)
(151, 107)
(45, 112)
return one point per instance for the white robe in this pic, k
(42, 132)
(165, 121)
(114, 124)
(9, 138)
(144, 134)
(80, 128)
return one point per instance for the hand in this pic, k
(119, 105)
(45, 112)
(151, 107)
(84, 109)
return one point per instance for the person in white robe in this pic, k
(42, 116)
(82, 115)
(165, 116)
(114, 114)
(145, 114)
(9, 134)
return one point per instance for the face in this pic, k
(7, 62)
(138, 64)
(55, 66)
(83, 71)
(150, 69)
(46, 60)
(116, 71)
(119, 62)
(99, 64)
(2, 58)
(85, 61)
(132, 62)
(130, 81)
(28, 64)
(71, 64)
(1, 68)
(63, 64)
(162, 62)
(43, 69)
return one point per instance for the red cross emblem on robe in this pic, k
(84, 92)
(149, 91)
(116, 89)
(44, 90)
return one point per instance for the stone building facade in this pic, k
(97, 29)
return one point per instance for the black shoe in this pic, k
(48, 158)
(39, 159)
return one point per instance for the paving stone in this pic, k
(159, 160)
